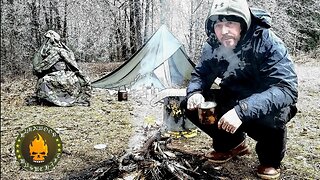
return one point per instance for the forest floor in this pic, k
(124, 126)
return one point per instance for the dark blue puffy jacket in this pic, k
(263, 85)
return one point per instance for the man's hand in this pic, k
(194, 101)
(230, 121)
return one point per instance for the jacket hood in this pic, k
(227, 8)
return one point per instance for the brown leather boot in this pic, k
(222, 157)
(268, 172)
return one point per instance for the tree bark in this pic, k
(146, 22)
(138, 21)
(65, 24)
(132, 27)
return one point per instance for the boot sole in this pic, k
(268, 177)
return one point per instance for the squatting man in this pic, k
(258, 89)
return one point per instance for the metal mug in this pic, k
(206, 112)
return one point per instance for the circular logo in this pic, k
(38, 148)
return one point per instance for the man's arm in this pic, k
(277, 72)
(204, 74)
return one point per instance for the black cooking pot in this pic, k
(122, 95)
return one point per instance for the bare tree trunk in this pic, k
(46, 16)
(9, 49)
(162, 16)
(35, 23)
(138, 21)
(146, 22)
(124, 49)
(196, 31)
(191, 29)
(50, 15)
(152, 16)
(132, 27)
(65, 25)
(57, 18)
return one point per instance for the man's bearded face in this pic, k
(228, 33)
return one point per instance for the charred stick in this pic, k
(149, 143)
(191, 153)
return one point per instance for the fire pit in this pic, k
(159, 159)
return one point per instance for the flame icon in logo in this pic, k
(38, 149)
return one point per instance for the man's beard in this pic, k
(229, 41)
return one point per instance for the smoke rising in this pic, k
(227, 54)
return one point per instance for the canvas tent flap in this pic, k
(161, 62)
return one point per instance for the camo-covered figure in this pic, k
(60, 81)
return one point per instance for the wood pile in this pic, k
(158, 160)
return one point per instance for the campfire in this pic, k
(160, 158)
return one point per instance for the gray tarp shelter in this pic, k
(161, 62)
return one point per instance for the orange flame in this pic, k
(38, 149)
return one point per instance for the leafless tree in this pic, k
(113, 30)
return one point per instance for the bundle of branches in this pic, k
(158, 160)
